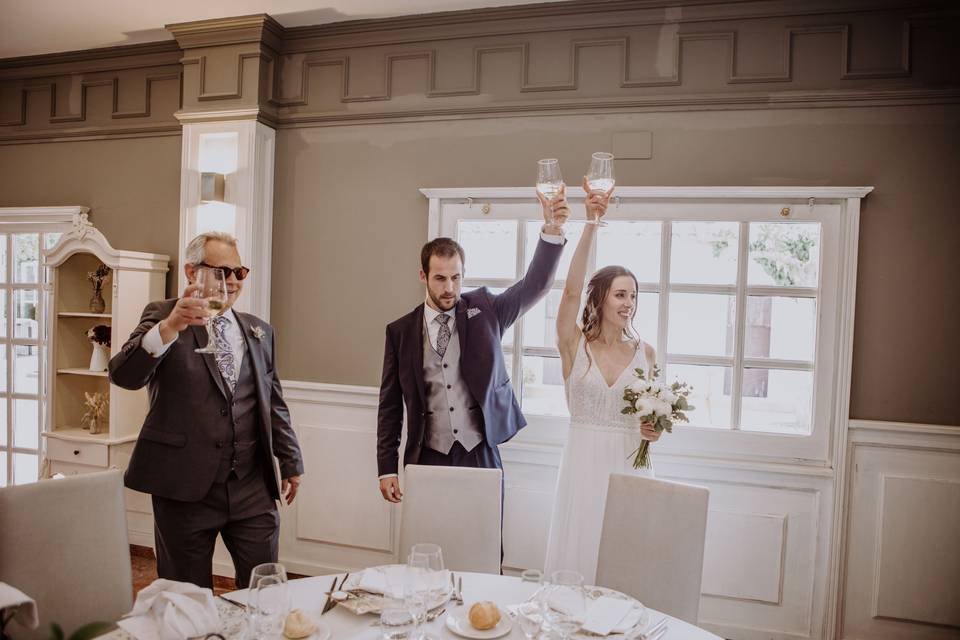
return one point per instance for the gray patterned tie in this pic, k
(443, 338)
(224, 355)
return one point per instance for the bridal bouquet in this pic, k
(656, 403)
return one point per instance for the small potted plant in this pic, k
(100, 337)
(96, 278)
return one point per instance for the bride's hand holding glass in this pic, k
(596, 202)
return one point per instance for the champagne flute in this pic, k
(549, 180)
(212, 289)
(600, 178)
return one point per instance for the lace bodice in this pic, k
(591, 401)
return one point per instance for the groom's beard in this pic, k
(440, 303)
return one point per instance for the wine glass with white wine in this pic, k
(600, 178)
(549, 180)
(212, 289)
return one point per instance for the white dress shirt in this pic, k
(153, 344)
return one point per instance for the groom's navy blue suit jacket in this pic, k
(481, 319)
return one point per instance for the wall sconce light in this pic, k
(212, 187)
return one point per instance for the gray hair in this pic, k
(196, 251)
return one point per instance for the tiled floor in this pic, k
(144, 564)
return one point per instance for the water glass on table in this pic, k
(566, 604)
(268, 604)
(397, 622)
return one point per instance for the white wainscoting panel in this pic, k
(744, 556)
(902, 565)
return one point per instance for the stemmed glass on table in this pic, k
(212, 289)
(268, 600)
(425, 583)
(565, 608)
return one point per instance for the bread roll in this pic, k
(298, 625)
(484, 615)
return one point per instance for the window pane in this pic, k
(710, 396)
(784, 254)
(26, 429)
(634, 245)
(543, 392)
(507, 338)
(26, 257)
(780, 327)
(648, 314)
(3, 368)
(490, 247)
(701, 324)
(4, 296)
(540, 322)
(3, 468)
(571, 231)
(25, 314)
(25, 376)
(3, 257)
(777, 401)
(25, 468)
(50, 239)
(704, 252)
(3, 428)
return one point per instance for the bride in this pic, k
(598, 357)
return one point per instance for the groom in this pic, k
(444, 362)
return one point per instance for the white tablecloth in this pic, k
(308, 594)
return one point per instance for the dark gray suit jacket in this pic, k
(481, 319)
(178, 450)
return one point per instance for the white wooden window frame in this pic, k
(13, 221)
(837, 209)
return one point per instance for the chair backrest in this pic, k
(64, 543)
(652, 543)
(459, 509)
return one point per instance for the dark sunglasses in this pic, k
(239, 272)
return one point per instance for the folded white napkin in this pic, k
(380, 580)
(168, 610)
(606, 613)
(26, 615)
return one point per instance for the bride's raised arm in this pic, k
(568, 332)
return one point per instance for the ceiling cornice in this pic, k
(258, 27)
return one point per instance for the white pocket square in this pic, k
(472, 312)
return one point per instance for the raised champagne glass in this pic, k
(212, 289)
(600, 178)
(549, 180)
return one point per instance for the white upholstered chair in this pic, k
(652, 543)
(63, 542)
(459, 509)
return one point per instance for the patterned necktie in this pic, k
(443, 338)
(224, 355)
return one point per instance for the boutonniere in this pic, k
(257, 333)
(472, 312)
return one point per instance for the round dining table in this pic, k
(310, 595)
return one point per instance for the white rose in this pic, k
(668, 396)
(662, 408)
(639, 386)
(645, 406)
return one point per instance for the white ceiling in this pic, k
(29, 27)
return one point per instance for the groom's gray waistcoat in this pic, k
(451, 413)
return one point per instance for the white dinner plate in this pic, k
(460, 625)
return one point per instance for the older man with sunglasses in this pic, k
(216, 422)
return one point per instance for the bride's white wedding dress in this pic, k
(600, 442)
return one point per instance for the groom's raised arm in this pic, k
(534, 284)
